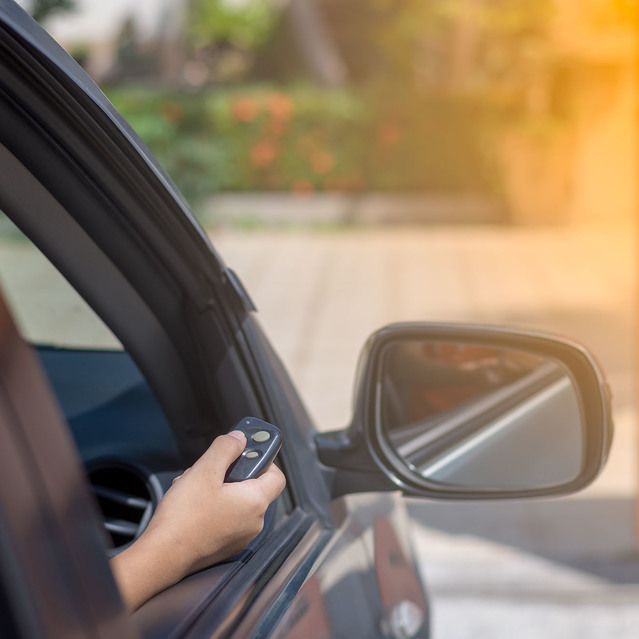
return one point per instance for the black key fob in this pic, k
(263, 442)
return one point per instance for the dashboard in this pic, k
(126, 444)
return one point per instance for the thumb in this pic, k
(224, 450)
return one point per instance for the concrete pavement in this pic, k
(482, 590)
(557, 568)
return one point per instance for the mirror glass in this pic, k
(481, 417)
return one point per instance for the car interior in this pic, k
(128, 447)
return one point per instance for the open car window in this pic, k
(121, 433)
(123, 436)
(47, 309)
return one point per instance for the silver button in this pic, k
(261, 436)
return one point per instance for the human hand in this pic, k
(201, 520)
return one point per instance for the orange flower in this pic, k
(245, 109)
(172, 112)
(274, 128)
(262, 155)
(322, 162)
(353, 182)
(336, 183)
(301, 188)
(305, 146)
(388, 134)
(280, 106)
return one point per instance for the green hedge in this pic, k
(308, 139)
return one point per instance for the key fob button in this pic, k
(252, 454)
(261, 436)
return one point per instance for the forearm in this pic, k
(200, 521)
(143, 570)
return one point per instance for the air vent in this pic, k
(125, 499)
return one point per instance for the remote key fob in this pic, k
(263, 441)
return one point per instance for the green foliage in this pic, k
(306, 139)
(242, 24)
(42, 9)
(175, 128)
(487, 47)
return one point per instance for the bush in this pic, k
(305, 139)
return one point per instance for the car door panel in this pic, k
(362, 575)
(340, 598)
(216, 601)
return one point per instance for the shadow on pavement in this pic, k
(593, 535)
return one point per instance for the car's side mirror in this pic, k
(468, 412)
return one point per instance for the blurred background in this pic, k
(505, 110)
(371, 161)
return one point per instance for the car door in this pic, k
(79, 183)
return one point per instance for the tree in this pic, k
(315, 43)
(245, 26)
(42, 9)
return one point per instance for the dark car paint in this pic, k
(108, 187)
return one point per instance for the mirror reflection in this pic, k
(471, 415)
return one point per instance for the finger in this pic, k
(224, 450)
(271, 483)
(180, 475)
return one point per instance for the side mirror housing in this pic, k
(471, 412)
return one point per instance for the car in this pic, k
(136, 345)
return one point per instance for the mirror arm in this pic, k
(350, 466)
